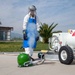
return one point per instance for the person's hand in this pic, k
(37, 38)
(25, 35)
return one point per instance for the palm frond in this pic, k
(53, 26)
(46, 31)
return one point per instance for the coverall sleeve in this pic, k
(25, 21)
(38, 24)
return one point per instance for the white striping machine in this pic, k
(63, 44)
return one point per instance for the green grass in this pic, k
(15, 46)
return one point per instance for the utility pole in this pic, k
(0, 23)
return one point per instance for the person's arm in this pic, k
(24, 27)
(38, 24)
(38, 28)
(25, 21)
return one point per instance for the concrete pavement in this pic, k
(8, 66)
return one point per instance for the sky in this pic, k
(12, 13)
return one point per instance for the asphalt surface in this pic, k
(9, 66)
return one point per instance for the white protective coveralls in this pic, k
(29, 50)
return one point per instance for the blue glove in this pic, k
(37, 38)
(25, 35)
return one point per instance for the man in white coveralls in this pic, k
(30, 24)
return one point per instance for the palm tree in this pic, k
(46, 31)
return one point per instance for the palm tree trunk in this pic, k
(45, 40)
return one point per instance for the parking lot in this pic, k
(9, 66)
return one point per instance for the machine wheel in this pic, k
(40, 55)
(65, 55)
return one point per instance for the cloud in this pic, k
(62, 12)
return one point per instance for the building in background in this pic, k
(5, 33)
